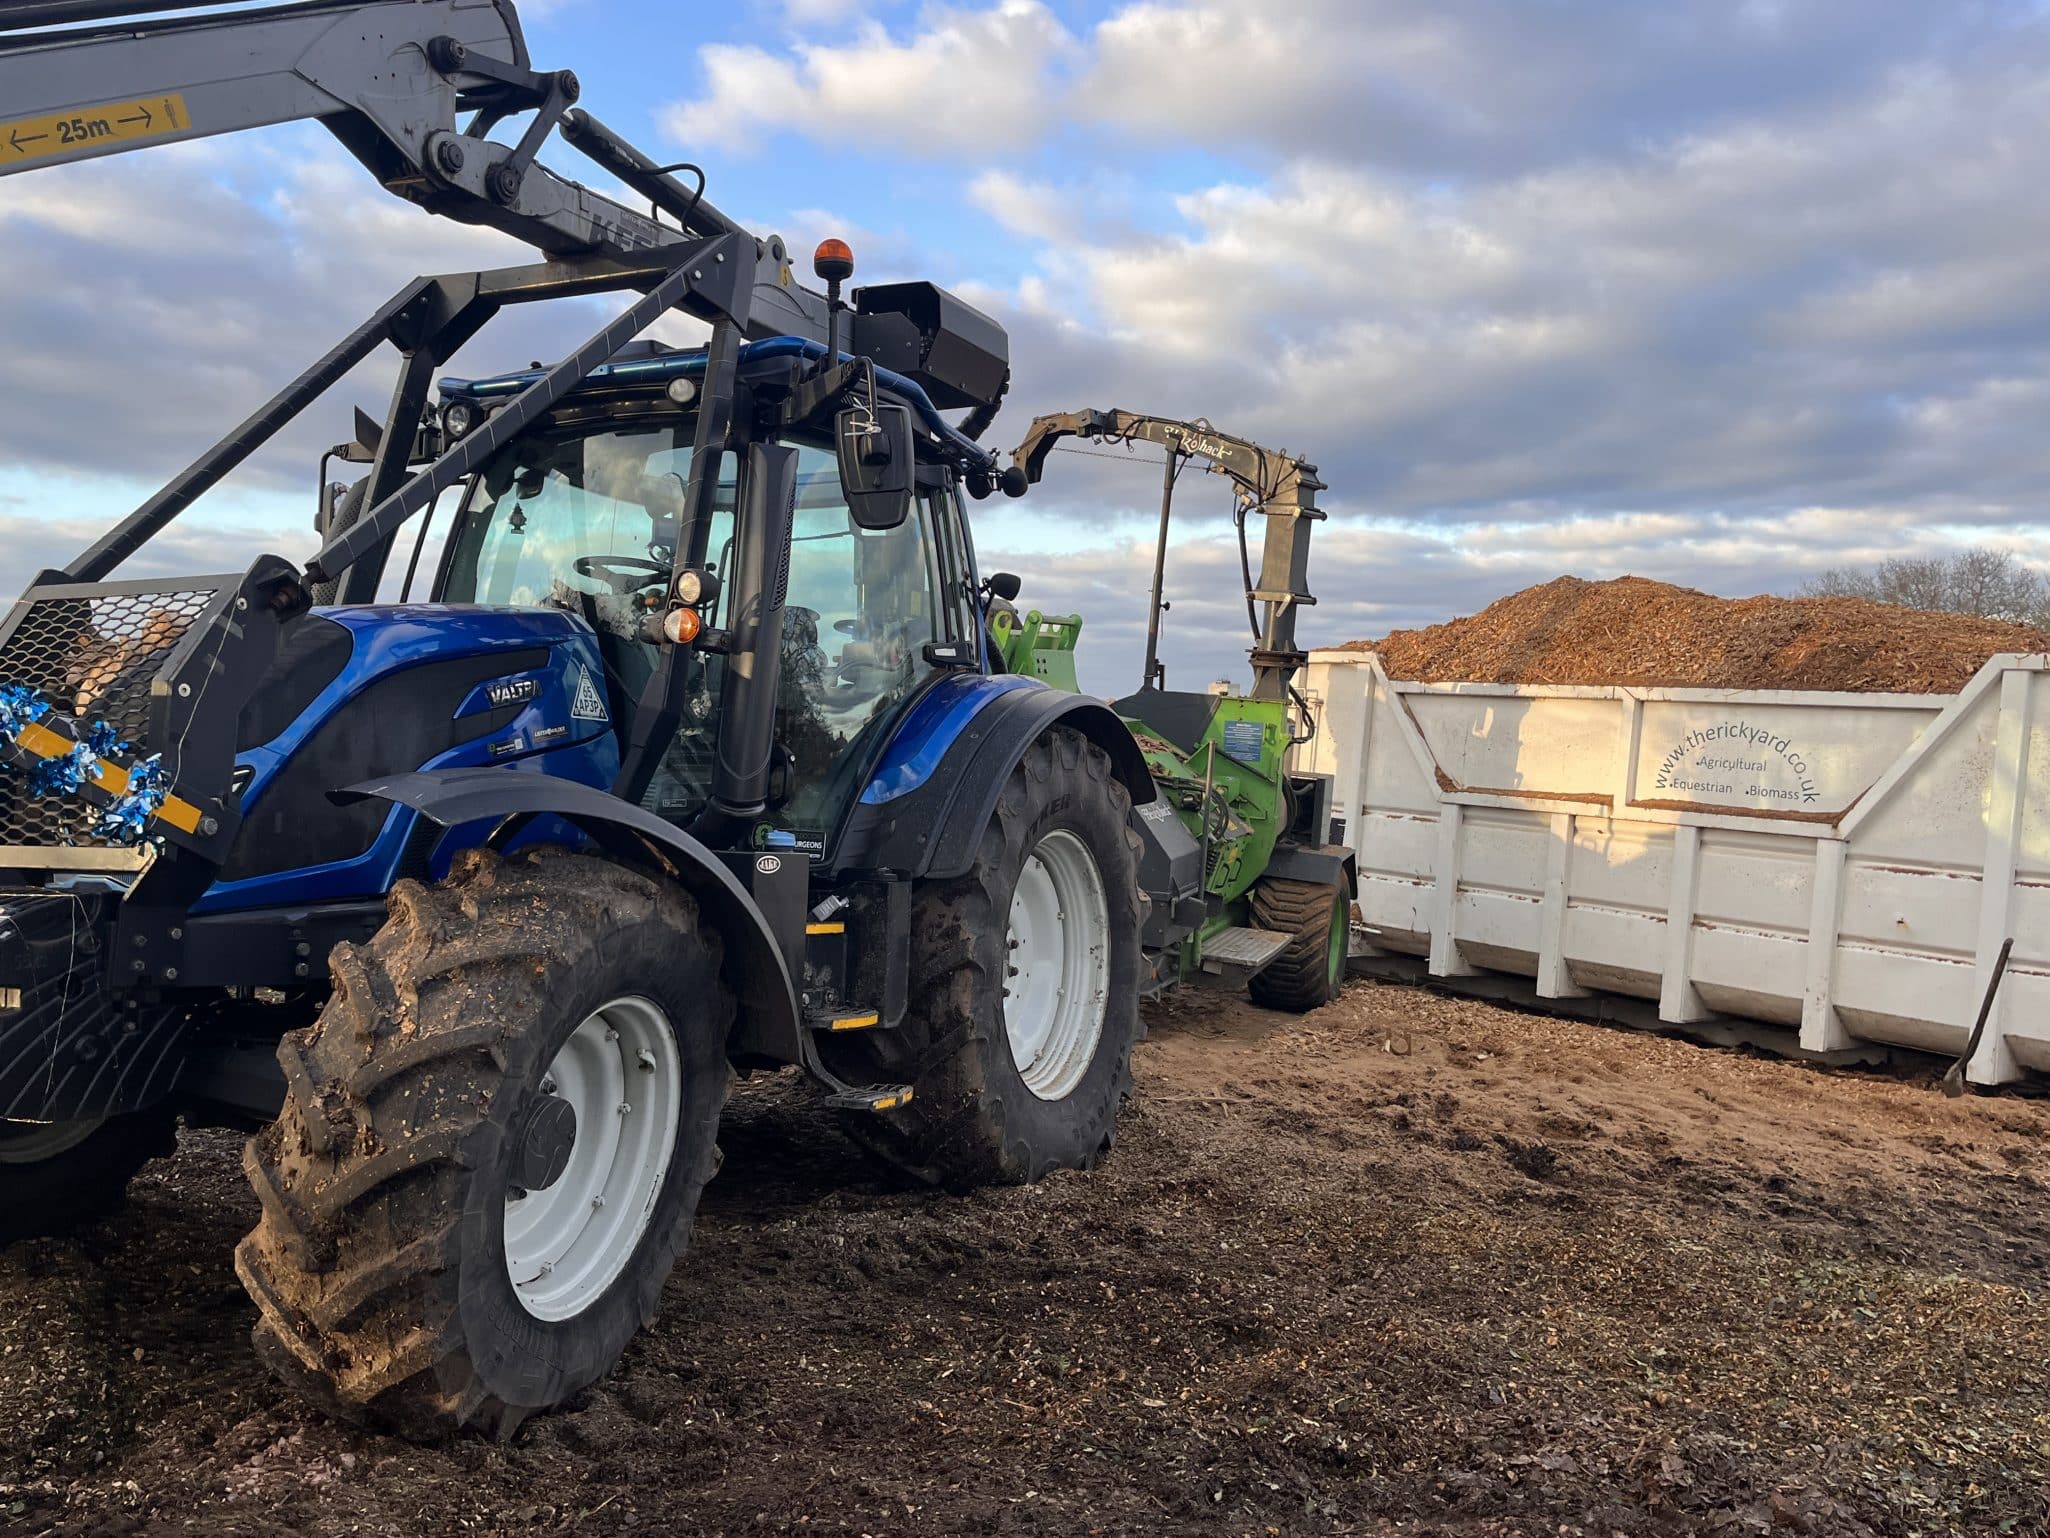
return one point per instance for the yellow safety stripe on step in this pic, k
(111, 778)
(59, 133)
(834, 928)
(856, 1022)
(891, 1102)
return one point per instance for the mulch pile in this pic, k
(1653, 635)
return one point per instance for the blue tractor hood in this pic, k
(369, 690)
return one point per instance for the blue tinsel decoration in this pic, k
(18, 706)
(65, 775)
(126, 820)
(104, 740)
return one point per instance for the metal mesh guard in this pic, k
(93, 657)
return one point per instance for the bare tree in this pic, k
(1840, 582)
(1991, 583)
(1994, 583)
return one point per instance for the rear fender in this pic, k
(769, 1022)
(932, 830)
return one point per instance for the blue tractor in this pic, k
(682, 751)
(505, 879)
(636, 721)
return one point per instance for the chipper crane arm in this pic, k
(82, 79)
(1276, 485)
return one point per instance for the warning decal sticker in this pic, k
(589, 704)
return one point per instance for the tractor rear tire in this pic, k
(1310, 971)
(423, 1114)
(59, 1176)
(1008, 1089)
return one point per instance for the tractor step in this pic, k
(843, 1017)
(880, 1097)
(1246, 949)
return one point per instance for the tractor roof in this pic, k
(651, 364)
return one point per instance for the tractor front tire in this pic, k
(1310, 971)
(1024, 987)
(493, 1144)
(57, 1176)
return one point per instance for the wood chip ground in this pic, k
(1406, 1265)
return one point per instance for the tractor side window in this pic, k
(862, 606)
(955, 554)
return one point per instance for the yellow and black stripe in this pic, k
(34, 737)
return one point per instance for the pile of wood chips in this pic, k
(1652, 635)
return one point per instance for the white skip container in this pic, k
(1841, 867)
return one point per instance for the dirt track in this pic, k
(1407, 1265)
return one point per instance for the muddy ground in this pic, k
(1406, 1265)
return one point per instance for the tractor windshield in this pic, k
(558, 520)
(589, 522)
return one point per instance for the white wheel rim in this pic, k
(1057, 984)
(621, 1074)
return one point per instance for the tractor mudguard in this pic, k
(1325, 865)
(932, 831)
(769, 1021)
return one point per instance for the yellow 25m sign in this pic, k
(31, 138)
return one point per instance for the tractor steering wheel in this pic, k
(624, 574)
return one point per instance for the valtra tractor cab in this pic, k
(685, 753)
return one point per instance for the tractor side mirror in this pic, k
(1005, 585)
(331, 494)
(878, 464)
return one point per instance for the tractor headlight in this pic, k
(458, 417)
(697, 587)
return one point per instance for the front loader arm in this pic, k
(386, 77)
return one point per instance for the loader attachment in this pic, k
(126, 698)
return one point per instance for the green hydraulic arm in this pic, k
(1274, 485)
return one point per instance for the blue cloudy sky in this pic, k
(1717, 291)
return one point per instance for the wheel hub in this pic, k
(547, 1134)
(1057, 969)
(590, 1156)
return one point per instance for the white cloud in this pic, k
(1035, 209)
(1827, 307)
(229, 541)
(966, 83)
(1483, 85)
(149, 307)
(1719, 293)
